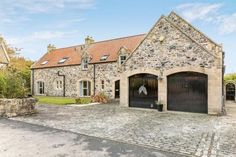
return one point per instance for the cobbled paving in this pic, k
(190, 134)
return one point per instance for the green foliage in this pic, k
(83, 100)
(55, 100)
(100, 97)
(230, 77)
(15, 79)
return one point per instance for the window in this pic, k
(59, 84)
(122, 59)
(85, 88)
(103, 84)
(44, 62)
(85, 64)
(104, 57)
(40, 86)
(63, 60)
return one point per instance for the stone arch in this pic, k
(124, 82)
(230, 90)
(91, 85)
(214, 84)
(183, 88)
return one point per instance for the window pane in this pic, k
(85, 84)
(85, 92)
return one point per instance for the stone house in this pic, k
(173, 63)
(4, 58)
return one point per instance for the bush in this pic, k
(83, 100)
(15, 79)
(100, 97)
(12, 85)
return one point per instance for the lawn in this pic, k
(55, 100)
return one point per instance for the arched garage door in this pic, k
(143, 89)
(187, 91)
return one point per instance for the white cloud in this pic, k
(207, 12)
(39, 36)
(196, 11)
(13, 10)
(227, 24)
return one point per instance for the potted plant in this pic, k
(159, 105)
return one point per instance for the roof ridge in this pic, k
(102, 41)
(196, 29)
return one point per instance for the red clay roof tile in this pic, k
(95, 50)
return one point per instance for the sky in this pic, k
(30, 25)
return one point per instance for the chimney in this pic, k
(89, 40)
(50, 48)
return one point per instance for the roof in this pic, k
(4, 59)
(96, 50)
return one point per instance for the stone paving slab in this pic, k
(20, 139)
(186, 133)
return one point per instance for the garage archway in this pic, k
(143, 90)
(230, 91)
(187, 91)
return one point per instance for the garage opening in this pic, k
(187, 91)
(143, 90)
(230, 91)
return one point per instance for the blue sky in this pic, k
(33, 24)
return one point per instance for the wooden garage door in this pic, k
(143, 90)
(187, 91)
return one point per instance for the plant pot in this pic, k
(160, 107)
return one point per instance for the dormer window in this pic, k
(44, 62)
(63, 60)
(122, 59)
(84, 63)
(104, 57)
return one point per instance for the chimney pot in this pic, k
(50, 48)
(89, 40)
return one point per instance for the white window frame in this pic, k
(63, 60)
(122, 61)
(83, 88)
(84, 63)
(44, 62)
(104, 57)
(59, 84)
(40, 87)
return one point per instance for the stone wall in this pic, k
(168, 49)
(17, 107)
(73, 75)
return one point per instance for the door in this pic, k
(230, 91)
(117, 89)
(187, 91)
(143, 90)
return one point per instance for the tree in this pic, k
(230, 77)
(15, 78)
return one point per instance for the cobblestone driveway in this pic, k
(185, 133)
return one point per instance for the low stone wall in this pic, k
(17, 107)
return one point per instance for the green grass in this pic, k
(55, 100)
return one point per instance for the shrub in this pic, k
(12, 85)
(15, 79)
(100, 97)
(83, 100)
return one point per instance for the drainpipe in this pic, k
(94, 79)
(64, 83)
(32, 81)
